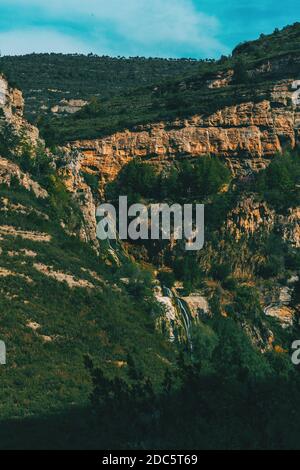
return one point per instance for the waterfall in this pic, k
(164, 297)
(168, 292)
(185, 315)
(186, 320)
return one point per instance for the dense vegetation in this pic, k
(205, 404)
(145, 105)
(184, 181)
(47, 78)
(228, 396)
(279, 185)
(46, 337)
(208, 181)
(279, 42)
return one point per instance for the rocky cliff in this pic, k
(246, 136)
(12, 110)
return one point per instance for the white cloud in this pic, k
(149, 27)
(17, 42)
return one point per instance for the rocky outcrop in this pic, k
(291, 227)
(280, 304)
(11, 100)
(221, 80)
(10, 171)
(197, 305)
(245, 136)
(68, 106)
(12, 106)
(12, 109)
(82, 193)
(248, 217)
(251, 216)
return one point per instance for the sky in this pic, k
(151, 28)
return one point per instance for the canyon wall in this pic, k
(246, 136)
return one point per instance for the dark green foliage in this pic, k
(240, 71)
(228, 396)
(166, 278)
(92, 181)
(136, 180)
(8, 139)
(188, 270)
(279, 184)
(147, 105)
(220, 272)
(271, 268)
(296, 294)
(140, 283)
(247, 304)
(52, 77)
(185, 181)
(230, 283)
(36, 162)
(200, 180)
(280, 42)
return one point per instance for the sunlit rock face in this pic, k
(248, 217)
(291, 227)
(12, 108)
(82, 193)
(197, 304)
(281, 306)
(3, 91)
(296, 92)
(246, 136)
(11, 100)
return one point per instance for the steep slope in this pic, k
(59, 301)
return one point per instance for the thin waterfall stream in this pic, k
(186, 318)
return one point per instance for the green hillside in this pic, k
(126, 92)
(61, 302)
(45, 79)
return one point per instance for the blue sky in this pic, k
(165, 28)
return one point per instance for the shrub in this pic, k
(279, 184)
(220, 272)
(166, 278)
(135, 180)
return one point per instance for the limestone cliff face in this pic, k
(248, 217)
(245, 135)
(291, 227)
(251, 216)
(12, 107)
(11, 100)
(82, 193)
